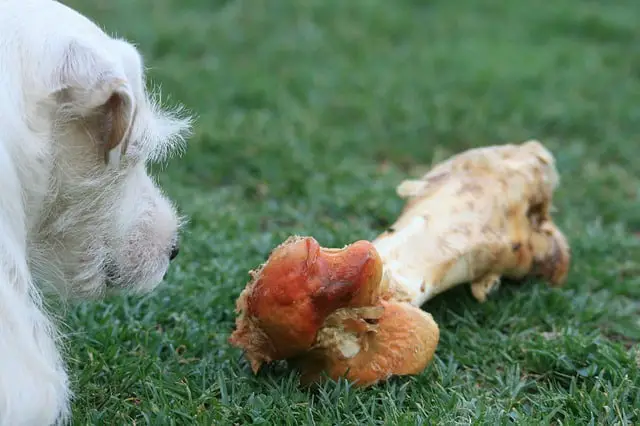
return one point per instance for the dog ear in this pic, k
(118, 116)
(93, 87)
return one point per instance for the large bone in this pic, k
(480, 216)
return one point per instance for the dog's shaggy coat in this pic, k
(78, 211)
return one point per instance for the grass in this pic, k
(310, 113)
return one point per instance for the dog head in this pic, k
(104, 224)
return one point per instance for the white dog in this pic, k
(78, 210)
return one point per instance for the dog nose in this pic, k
(175, 249)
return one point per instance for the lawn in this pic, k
(309, 114)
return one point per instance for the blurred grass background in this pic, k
(309, 114)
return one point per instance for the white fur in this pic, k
(74, 215)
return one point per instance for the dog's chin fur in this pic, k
(78, 211)
(104, 236)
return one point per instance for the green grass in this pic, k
(310, 113)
